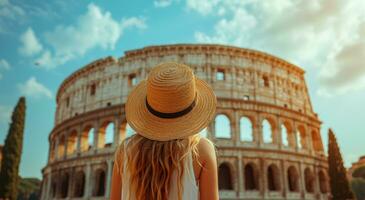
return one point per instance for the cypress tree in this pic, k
(340, 187)
(12, 151)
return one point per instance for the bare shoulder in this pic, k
(206, 151)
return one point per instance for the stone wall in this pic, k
(266, 132)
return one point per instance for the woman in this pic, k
(167, 159)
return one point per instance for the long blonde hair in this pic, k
(151, 164)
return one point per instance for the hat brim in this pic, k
(164, 129)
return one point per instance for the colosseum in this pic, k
(266, 132)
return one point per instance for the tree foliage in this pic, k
(340, 187)
(9, 178)
(359, 172)
(358, 186)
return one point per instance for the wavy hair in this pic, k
(151, 164)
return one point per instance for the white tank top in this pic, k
(190, 188)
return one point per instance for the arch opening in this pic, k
(267, 131)
(222, 126)
(323, 182)
(309, 180)
(273, 178)
(79, 186)
(246, 132)
(293, 179)
(224, 177)
(251, 177)
(99, 183)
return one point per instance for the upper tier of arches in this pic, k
(234, 73)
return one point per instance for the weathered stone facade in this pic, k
(278, 154)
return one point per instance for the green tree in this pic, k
(12, 151)
(358, 186)
(340, 187)
(359, 172)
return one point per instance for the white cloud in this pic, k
(162, 3)
(32, 88)
(30, 44)
(4, 65)
(327, 34)
(9, 13)
(9, 10)
(5, 112)
(94, 29)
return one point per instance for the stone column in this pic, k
(240, 174)
(279, 134)
(235, 128)
(309, 140)
(284, 182)
(295, 136)
(301, 179)
(79, 139)
(109, 178)
(116, 138)
(96, 136)
(258, 132)
(66, 144)
(56, 148)
(211, 130)
(88, 182)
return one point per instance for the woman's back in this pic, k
(199, 180)
(190, 187)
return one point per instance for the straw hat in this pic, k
(170, 104)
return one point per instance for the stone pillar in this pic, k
(295, 136)
(79, 139)
(211, 130)
(279, 134)
(116, 137)
(109, 178)
(236, 128)
(66, 145)
(301, 179)
(263, 175)
(240, 174)
(56, 148)
(88, 182)
(309, 140)
(96, 136)
(258, 132)
(284, 182)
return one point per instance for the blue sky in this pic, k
(42, 42)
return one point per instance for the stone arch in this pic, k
(316, 141)
(251, 177)
(61, 146)
(72, 142)
(106, 134)
(99, 183)
(64, 185)
(301, 137)
(285, 134)
(225, 177)
(222, 126)
(293, 179)
(268, 130)
(273, 178)
(87, 138)
(79, 186)
(323, 181)
(246, 129)
(309, 180)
